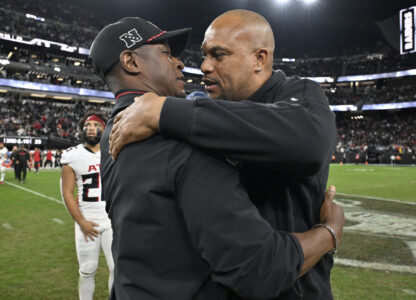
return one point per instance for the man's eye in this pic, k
(218, 56)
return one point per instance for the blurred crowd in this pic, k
(36, 65)
(28, 117)
(385, 130)
(56, 119)
(74, 26)
(66, 24)
(69, 24)
(359, 64)
(381, 91)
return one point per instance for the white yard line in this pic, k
(7, 226)
(376, 198)
(412, 246)
(33, 192)
(375, 266)
(409, 292)
(59, 221)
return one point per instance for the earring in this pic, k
(258, 69)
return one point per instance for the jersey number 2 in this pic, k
(95, 184)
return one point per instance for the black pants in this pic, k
(21, 168)
(15, 170)
(37, 163)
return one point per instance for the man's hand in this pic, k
(137, 122)
(318, 241)
(87, 228)
(331, 213)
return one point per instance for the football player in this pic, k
(3, 156)
(81, 168)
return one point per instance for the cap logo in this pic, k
(131, 38)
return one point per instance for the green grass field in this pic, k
(38, 260)
(376, 181)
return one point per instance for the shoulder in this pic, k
(301, 83)
(68, 155)
(301, 90)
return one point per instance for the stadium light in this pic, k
(96, 100)
(62, 97)
(38, 95)
(309, 1)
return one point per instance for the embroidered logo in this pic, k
(131, 38)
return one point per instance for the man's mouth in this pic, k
(210, 85)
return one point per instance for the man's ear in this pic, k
(129, 61)
(262, 55)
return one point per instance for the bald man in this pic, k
(277, 131)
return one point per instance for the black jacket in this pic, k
(22, 157)
(184, 227)
(280, 140)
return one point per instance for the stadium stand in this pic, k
(363, 128)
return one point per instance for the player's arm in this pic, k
(68, 183)
(295, 136)
(242, 249)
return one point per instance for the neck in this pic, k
(256, 83)
(94, 148)
(139, 85)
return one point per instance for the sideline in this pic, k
(376, 198)
(339, 261)
(375, 266)
(33, 192)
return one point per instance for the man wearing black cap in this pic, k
(183, 226)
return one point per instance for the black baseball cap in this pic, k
(128, 34)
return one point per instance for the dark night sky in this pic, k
(325, 25)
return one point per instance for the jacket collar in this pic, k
(275, 82)
(125, 98)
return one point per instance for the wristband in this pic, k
(334, 236)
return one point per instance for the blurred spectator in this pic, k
(42, 117)
(377, 129)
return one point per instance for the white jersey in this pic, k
(86, 166)
(3, 154)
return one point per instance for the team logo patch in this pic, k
(131, 38)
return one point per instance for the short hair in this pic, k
(90, 113)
